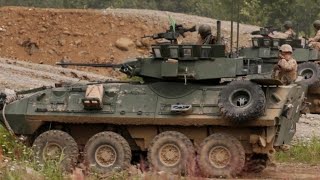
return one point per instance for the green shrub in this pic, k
(17, 158)
(302, 152)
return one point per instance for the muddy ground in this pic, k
(32, 40)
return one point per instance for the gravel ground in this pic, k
(19, 75)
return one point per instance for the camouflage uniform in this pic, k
(210, 39)
(290, 33)
(286, 69)
(315, 41)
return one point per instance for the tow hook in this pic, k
(286, 110)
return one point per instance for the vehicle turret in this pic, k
(185, 62)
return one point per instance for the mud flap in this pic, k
(286, 132)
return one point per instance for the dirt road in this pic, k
(287, 171)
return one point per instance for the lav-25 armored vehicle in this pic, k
(266, 47)
(180, 114)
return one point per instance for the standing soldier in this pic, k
(286, 69)
(206, 35)
(315, 41)
(289, 31)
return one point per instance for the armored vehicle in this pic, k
(178, 118)
(265, 48)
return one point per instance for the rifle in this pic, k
(126, 68)
(265, 31)
(172, 34)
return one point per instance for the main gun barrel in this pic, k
(63, 64)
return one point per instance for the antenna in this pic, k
(231, 34)
(219, 32)
(238, 27)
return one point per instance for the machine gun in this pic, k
(126, 68)
(265, 31)
(172, 34)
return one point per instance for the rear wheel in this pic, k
(256, 163)
(107, 151)
(171, 151)
(57, 146)
(241, 101)
(221, 155)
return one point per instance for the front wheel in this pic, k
(57, 146)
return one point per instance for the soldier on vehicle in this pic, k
(288, 29)
(286, 68)
(288, 33)
(206, 35)
(315, 41)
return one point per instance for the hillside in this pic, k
(48, 35)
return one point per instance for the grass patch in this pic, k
(302, 152)
(17, 161)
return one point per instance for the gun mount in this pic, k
(172, 34)
(265, 31)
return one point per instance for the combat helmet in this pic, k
(285, 48)
(316, 24)
(288, 24)
(204, 30)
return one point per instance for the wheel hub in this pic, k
(170, 154)
(52, 151)
(307, 73)
(219, 157)
(240, 98)
(105, 155)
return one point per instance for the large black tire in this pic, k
(310, 72)
(107, 151)
(172, 152)
(221, 155)
(56, 145)
(256, 163)
(242, 101)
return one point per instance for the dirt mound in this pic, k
(48, 35)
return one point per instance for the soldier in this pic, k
(289, 31)
(206, 35)
(286, 69)
(315, 41)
